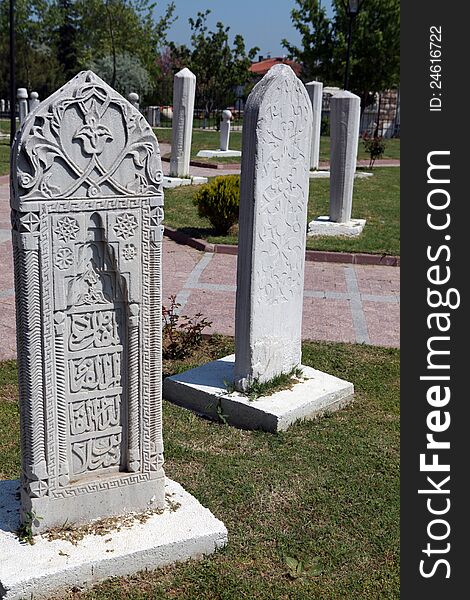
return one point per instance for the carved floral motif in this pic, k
(93, 134)
(125, 226)
(129, 252)
(64, 258)
(50, 165)
(284, 154)
(67, 229)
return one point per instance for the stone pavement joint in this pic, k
(359, 319)
(183, 296)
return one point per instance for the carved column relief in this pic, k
(155, 349)
(273, 221)
(62, 421)
(133, 429)
(30, 354)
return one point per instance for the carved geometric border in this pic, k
(124, 479)
(48, 349)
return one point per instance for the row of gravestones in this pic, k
(344, 125)
(87, 213)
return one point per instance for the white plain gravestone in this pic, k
(270, 273)
(345, 113)
(87, 211)
(33, 101)
(225, 130)
(134, 99)
(22, 96)
(184, 90)
(224, 140)
(315, 93)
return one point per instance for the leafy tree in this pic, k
(63, 21)
(113, 27)
(317, 39)
(375, 48)
(219, 68)
(57, 38)
(36, 66)
(126, 70)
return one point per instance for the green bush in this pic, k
(219, 201)
(374, 146)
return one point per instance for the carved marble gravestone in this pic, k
(273, 219)
(87, 210)
(270, 273)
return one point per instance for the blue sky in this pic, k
(262, 23)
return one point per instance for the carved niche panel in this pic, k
(87, 211)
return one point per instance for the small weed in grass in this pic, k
(25, 530)
(297, 568)
(181, 334)
(283, 381)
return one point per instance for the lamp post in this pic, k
(12, 73)
(352, 7)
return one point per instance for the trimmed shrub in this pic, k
(219, 201)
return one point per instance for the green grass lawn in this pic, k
(209, 140)
(326, 492)
(376, 199)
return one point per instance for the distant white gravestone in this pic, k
(345, 115)
(33, 101)
(87, 230)
(22, 97)
(184, 90)
(315, 92)
(224, 140)
(273, 219)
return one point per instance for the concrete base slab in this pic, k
(173, 182)
(326, 174)
(185, 529)
(199, 180)
(204, 390)
(218, 153)
(323, 226)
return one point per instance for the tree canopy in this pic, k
(57, 38)
(219, 68)
(375, 47)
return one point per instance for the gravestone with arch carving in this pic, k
(87, 211)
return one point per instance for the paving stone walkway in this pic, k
(343, 303)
